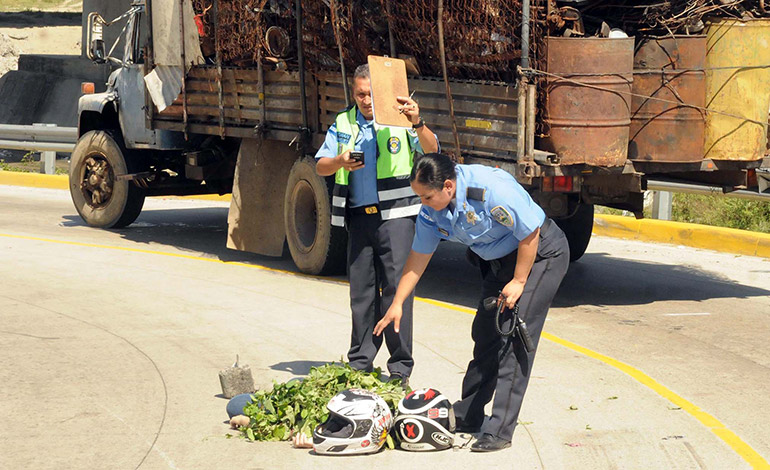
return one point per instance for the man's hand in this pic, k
(348, 163)
(512, 291)
(409, 108)
(393, 315)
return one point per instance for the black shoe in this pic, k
(464, 428)
(489, 443)
(404, 381)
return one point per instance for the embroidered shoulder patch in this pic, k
(425, 216)
(501, 215)
(343, 138)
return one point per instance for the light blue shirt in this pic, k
(362, 184)
(492, 228)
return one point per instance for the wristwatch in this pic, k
(419, 124)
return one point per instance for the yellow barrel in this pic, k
(737, 83)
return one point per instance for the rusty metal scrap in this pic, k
(482, 39)
(666, 16)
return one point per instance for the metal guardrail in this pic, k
(44, 138)
(660, 185)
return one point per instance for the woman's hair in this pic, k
(432, 169)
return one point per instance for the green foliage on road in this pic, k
(300, 405)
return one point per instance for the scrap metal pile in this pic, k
(482, 37)
(662, 17)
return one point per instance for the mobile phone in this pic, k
(357, 156)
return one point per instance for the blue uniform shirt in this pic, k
(362, 184)
(492, 228)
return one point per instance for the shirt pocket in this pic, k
(478, 230)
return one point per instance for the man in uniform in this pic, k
(374, 199)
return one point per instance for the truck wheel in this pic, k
(100, 199)
(315, 246)
(578, 228)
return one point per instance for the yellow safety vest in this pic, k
(394, 164)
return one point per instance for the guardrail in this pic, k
(44, 138)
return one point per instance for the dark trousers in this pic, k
(501, 366)
(377, 252)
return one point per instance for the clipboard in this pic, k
(388, 80)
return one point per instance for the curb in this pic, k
(728, 240)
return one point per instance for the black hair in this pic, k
(432, 169)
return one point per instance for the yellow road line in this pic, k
(745, 451)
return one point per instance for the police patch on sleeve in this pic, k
(394, 145)
(501, 215)
(343, 138)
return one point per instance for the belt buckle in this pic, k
(370, 210)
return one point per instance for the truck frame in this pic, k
(252, 132)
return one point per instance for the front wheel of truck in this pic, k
(577, 228)
(315, 245)
(99, 197)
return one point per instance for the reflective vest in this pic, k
(394, 164)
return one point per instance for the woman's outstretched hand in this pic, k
(393, 315)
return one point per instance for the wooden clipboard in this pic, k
(388, 80)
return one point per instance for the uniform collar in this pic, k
(361, 120)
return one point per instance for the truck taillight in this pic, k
(561, 184)
(87, 88)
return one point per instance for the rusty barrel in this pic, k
(588, 102)
(669, 69)
(737, 88)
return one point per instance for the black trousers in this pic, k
(377, 252)
(501, 366)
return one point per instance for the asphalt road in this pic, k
(654, 356)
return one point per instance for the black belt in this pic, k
(498, 263)
(364, 210)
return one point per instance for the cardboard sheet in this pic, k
(388, 80)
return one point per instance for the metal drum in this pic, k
(670, 69)
(738, 84)
(588, 122)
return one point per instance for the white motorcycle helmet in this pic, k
(425, 421)
(358, 423)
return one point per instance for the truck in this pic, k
(251, 131)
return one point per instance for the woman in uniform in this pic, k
(523, 257)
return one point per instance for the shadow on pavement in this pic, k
(597, 279)
(297, 367)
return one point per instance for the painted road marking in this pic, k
(745, 451)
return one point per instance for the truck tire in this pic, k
(315, 245)
(578, 229)
(100, 199)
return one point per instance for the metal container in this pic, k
(737, 84)
(670, 69)
(588, 104)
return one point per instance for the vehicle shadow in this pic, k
(596, 279)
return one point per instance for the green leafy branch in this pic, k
(300, 405)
